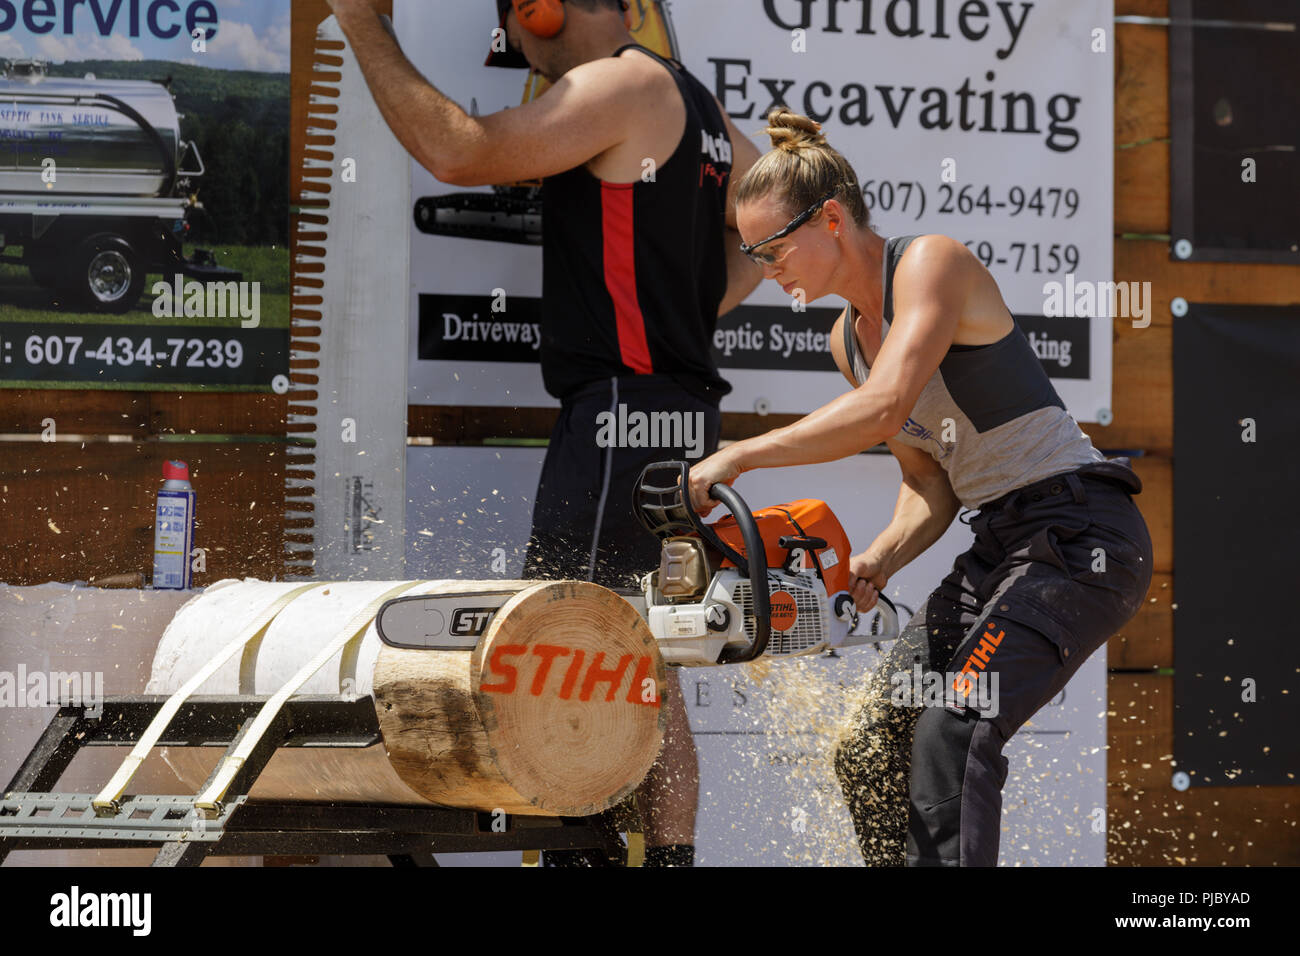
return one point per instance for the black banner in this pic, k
(1236, 428)
(155, 355)
(1234, 170)
(1061, 343)
(775, 337)
(479, 328)
(129, 906)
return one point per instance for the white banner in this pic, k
(990, 123)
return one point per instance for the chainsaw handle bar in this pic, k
(888, 619)
(665, 510)
(759, 592)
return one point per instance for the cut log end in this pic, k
(558, 710)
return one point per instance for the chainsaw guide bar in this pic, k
(774, 583)
(452, 622)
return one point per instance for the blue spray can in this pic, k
(173, 529)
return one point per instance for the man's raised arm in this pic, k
(580, 117)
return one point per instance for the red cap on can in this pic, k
(177, 470)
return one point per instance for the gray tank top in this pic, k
(989, 415)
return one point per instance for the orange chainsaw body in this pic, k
(807, 518)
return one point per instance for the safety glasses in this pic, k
(771, 259)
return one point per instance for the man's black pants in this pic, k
(584, 526)
(1056, 569)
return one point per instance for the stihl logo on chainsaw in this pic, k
(470, 621)
(784, 611)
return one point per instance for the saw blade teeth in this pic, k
(341, 121)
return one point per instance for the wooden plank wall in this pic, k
(81, 508)
(78, 510)
(1150, 823)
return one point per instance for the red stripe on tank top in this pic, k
(620, 275)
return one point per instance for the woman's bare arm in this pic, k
(924, 511)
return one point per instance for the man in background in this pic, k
(640, 258)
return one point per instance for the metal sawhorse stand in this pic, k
(34, 818)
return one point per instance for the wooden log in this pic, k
(458, 730)
(557, 711)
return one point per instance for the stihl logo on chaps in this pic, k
(979, 658)
(573, 672)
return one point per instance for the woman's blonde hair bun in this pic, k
(792, 132)
(802, 168)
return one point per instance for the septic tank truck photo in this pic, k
(95, 186)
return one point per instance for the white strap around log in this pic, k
(105, 803)
(209, 800)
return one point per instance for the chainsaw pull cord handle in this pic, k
(756, 558)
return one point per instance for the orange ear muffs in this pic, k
(541, 18)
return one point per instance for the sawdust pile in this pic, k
(828, 739)
(818, 727)
(872, 757)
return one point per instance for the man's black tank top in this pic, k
(634, 272)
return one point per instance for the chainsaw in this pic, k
(773, 582)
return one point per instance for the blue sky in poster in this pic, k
(251, 34)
